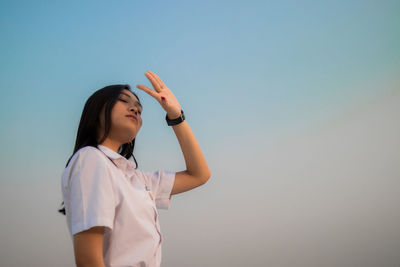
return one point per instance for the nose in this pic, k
(134, 109)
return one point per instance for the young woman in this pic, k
(110, 204)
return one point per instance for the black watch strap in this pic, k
(175, 121)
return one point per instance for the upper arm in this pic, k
(185, 182)
(88, 247)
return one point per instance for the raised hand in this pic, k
(163, 95)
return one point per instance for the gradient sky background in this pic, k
(295, 105)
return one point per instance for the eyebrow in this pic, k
(136, 102)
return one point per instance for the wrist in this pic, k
(174, 116)
(176, 119)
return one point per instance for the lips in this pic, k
(132, 117)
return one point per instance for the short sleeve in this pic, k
(161, 183)
(90, 194)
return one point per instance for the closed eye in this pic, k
(139, 111)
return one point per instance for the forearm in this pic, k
(196, 165)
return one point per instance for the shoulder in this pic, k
(87, 163)
(89, 155)
(88, 167)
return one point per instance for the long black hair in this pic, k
(90, 122)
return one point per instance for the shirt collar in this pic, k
(124, 164)
(109, 152)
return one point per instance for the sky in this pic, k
(295, 106)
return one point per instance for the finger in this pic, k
(153, 81)
(158, 79)
(149, 91)
(159, 82)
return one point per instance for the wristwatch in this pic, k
(175, 121)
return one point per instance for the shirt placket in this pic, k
(129, 173)
(157, 224)
(156, 221)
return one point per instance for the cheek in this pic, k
(117, 114)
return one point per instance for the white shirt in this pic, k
(98, 193)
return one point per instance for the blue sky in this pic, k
(250, 76)
(265, 64)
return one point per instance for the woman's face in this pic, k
(126, 118)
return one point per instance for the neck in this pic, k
(111, 144)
